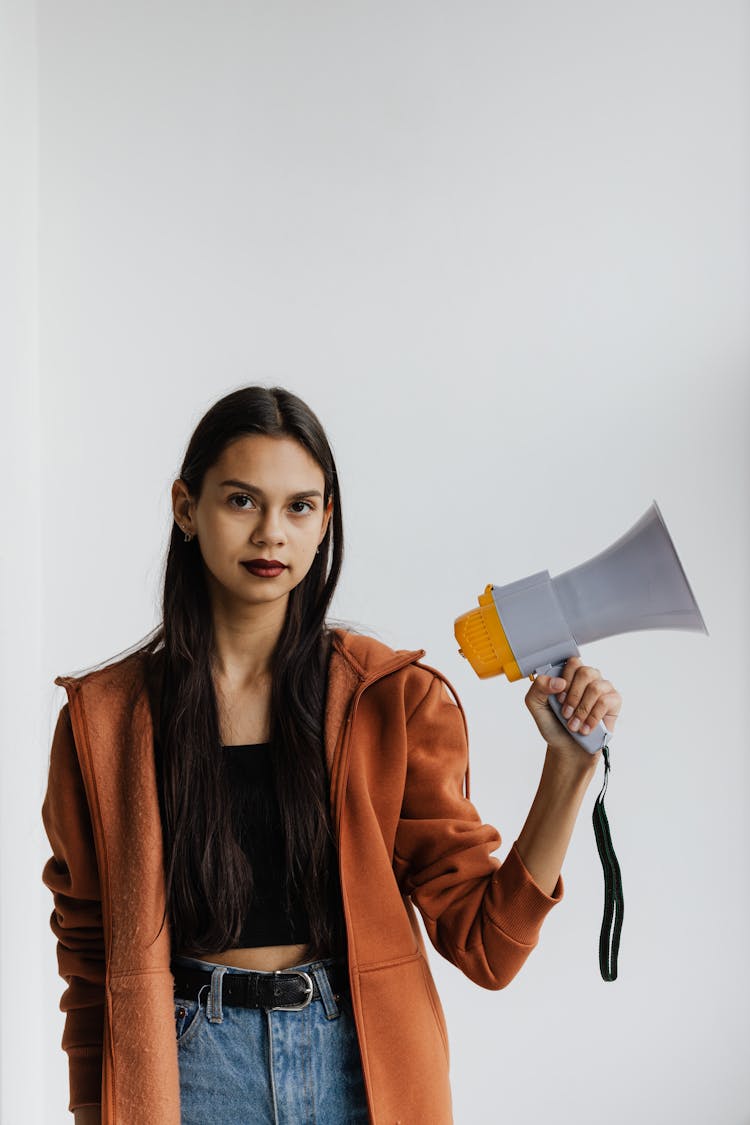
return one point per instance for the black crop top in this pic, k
(257, 825)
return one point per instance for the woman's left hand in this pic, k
(586, 698)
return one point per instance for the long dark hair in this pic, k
(208, 877)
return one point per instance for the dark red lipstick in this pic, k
(265, 568)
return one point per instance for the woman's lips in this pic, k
(265, 568)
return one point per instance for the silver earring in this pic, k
(188, 536)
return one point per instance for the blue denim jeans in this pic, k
(247, 1066)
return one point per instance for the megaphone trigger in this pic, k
(597, 739)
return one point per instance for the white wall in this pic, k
(24, 696)
(502, 250)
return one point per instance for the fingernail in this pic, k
(574, 724)
(585, 728)
(556, 683)
(563, 696)
(567, 712)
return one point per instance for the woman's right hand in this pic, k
(88, 1115)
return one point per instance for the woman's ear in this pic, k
(326, 520)
(180, 503)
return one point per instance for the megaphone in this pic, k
(532, 626)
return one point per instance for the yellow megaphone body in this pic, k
(531, 627)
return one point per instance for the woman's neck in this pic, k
(245, 639)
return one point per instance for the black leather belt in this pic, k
(285, 990)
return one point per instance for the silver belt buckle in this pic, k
(308, 984)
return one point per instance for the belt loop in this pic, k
(214, 1009)
(330, 1006)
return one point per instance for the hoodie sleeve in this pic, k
(482, 915)
(71, 873)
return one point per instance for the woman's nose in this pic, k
(269, 529)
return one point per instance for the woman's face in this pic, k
(261, 503)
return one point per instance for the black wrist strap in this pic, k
(609, 938)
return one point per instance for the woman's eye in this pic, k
(301, 507)
(240, 496)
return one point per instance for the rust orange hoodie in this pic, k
(408, 836)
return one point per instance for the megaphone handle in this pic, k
(596, 739)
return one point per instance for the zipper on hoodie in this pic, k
(340, 763)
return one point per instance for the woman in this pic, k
(245, 810)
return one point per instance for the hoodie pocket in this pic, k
(404, 1042)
